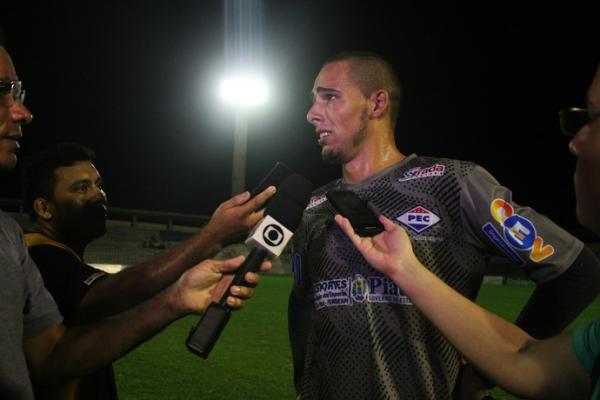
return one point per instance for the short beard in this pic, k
(83, 225)
(336, 156)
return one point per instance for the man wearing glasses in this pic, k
(34, 344)
(566, 366)
(12, 114)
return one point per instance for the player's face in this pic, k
(586, 146)
(79, 202)
(339, 113)
(12, 115)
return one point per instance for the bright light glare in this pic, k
(244, 91)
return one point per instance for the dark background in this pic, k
(134, 80)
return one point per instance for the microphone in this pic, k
(268, 239)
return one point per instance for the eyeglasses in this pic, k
(573, 119)
(15, 88)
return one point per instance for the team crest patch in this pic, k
(423, 172)
(418, 219)
(359, 289)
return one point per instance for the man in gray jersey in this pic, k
(354, 334)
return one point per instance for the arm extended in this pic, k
(500, 350)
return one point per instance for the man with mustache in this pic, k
(67, 202)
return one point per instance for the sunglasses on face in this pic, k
(574, 118)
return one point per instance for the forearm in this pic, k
(86, 348)
(489, 342)
(135, 284)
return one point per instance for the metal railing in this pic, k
(134, 216)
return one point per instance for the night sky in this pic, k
(135, 81)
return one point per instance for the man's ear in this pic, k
(43, 209)
(381, 101)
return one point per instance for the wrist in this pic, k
(174, 300)
(211, 237)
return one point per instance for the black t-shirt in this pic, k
(68, 279)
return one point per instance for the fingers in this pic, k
(260, 199)
(345, 225)
(239, 199)
(266, 266)
(242, 292)
(229, 265)
(235, 303)
(387, 224)
(239, 294)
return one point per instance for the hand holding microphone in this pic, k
(268, 238)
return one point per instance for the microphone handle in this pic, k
(205, 334)
(250, 264)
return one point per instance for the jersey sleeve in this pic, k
(67, 278)
(497, 225)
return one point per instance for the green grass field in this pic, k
(252, 358)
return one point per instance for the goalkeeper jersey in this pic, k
(367, 340)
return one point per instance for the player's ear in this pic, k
(43, 209)
(380, 101)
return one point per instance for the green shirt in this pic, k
(586, 345)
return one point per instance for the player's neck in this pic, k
(372, 158)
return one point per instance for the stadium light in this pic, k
(243, 55)
(243, 92)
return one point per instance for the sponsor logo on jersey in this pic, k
(418, 219)
(518, 231)
(332, 293)
(315, 201)
(423, 172)
(495, 237)
(359, 289)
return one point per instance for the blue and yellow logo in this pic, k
(519, 232)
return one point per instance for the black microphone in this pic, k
(268, 238)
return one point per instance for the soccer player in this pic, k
(355, 333)
(560, 367)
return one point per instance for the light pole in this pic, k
(240, 135)
(243, 92)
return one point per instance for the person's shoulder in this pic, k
(418, 165)
(319, 195)
(48, 256)
(9, 227)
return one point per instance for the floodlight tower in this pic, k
(244, 89)
(244, 92)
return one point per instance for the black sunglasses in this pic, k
(574, 118)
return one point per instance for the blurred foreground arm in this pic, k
(115, 293)
(61, 353)
(500, 350)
